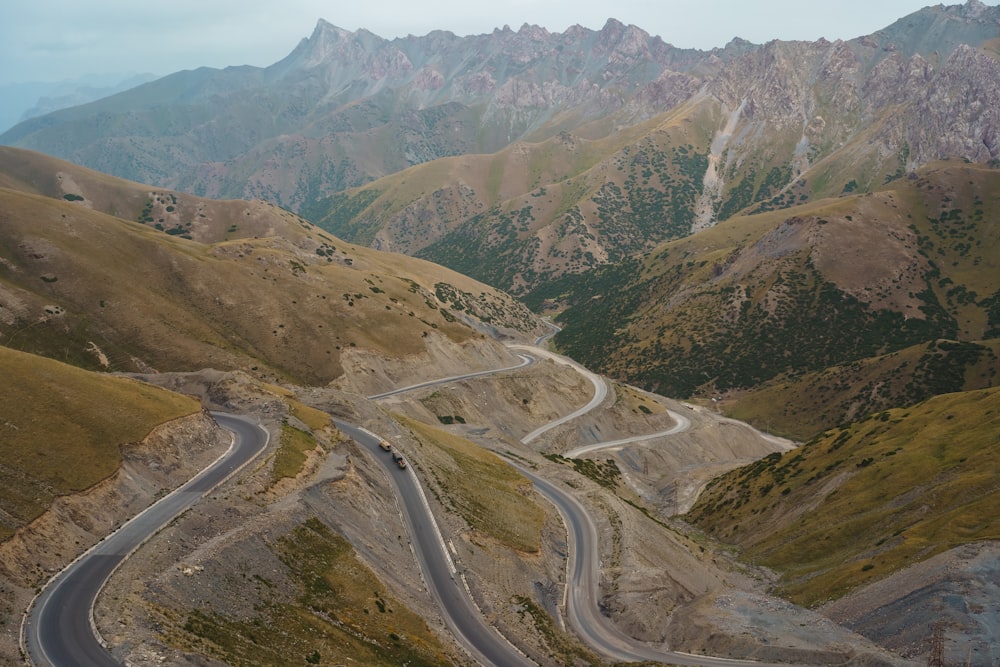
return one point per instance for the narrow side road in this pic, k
(58, 629)
(682, 424)
(526, 360)
(600, 389)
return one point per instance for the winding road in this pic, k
(681, 424)
(58, 630)
(600, 389)
(526, 360)
(483, 642)
(583, 589)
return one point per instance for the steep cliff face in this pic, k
(882, 112)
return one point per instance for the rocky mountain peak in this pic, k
(739, 43)
(354, 55)
(535, 32)
(329, 43)
(975, 8)
(628, 40)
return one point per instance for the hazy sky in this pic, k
(51, 40)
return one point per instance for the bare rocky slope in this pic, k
(655, 573)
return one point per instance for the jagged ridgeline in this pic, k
(771, 128)
(520, 156)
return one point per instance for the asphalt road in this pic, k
(582, 591)
(583, 578)
(600, 389)
(681, 424)
(58, 630)
(481, 640)
(525, 361)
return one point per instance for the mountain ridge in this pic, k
(784, 123)
(339, 94)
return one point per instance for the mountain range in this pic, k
(801, 235)
(344, 108)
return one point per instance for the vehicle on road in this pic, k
(398, 458)
(384, 444)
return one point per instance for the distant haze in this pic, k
(57, 40)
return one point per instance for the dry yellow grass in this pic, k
(63, 429)
(490, 495)
(153, 300)
(311, 417)
(293, 451)
(863, 501)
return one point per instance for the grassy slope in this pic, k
(205, 220)
(757, 299)
(64, 428)
(801, 406)
(491, 496)
(535, 210)
(72, 279)
(859, 502)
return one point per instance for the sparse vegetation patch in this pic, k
(339, 609)
(293, 451)
(488, 494)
